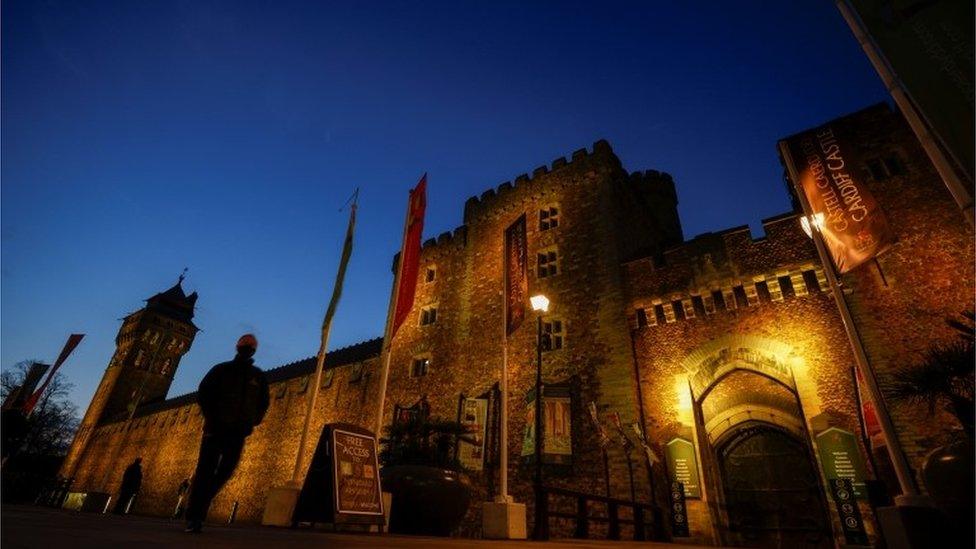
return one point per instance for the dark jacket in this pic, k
(233, 397)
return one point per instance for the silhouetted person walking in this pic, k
(233, 398)
(131, 481)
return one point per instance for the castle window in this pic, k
(752, 295)
(155, 338)
(641, 318)
(139, 356)
(678, 308)
(548, 218)
(419, 367)
(698, 303)
(548, 263)
(879, 169)
(668, 312)
(786, 286)
(552, 335)
(356, 372)
(431, 274)
(659, 314)
(811, 282)
(428, 315)
(741, 300)
(688, 307)
(762, 291)
(165, 369)
(728, 298)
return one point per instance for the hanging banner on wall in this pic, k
(841, 458)
(683, 466)
(516, 281)
(853, 226)
(557, 442)
(474, 417)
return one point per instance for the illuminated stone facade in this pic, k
(704, 340)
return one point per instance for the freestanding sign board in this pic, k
(683, 466)
(841, 458)
(343, 481)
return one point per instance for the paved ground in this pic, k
(38, 527)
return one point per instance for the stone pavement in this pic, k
(39, 527)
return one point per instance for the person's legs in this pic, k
(202, 492)
(230, 456)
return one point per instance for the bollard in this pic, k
(233, 513)
(107, 503)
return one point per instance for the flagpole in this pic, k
(324, 343)
(390, 316)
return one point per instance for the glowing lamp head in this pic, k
(815, 221)
(540, 303)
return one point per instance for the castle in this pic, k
(727, 350)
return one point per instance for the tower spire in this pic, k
(183, 275)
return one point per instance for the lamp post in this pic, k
(540, 304)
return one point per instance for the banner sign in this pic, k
(474, 417)
(679, 511)
(73, 341)
(557, 440)
(841, 458)
(516, 281)
(410, 255)
(683, 466)
(357, 486)
(850, 516)
(854, 228)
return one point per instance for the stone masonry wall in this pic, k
(168, 441)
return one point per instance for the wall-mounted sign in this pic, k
(850, 516)
(679, 511)
(474, 416)
(557, 443)
(840, 457)
(683, 466)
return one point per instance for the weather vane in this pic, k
(183, 274)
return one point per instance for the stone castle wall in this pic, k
(168, 439)
(604, 213)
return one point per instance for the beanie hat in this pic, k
(248, 340)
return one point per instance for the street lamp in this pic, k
(540, 304)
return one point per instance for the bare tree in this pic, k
(55, 418)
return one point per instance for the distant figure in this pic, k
(233, 397)
(181, 495)
(131, 481)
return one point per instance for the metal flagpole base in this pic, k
(503, 520)
(280, 507)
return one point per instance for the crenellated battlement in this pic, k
(478, 206)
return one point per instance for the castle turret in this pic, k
(149, 346)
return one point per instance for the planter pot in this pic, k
(426, 500)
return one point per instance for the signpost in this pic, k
(679, 511)
(841, 458)
(850, 516)
(683, 466)
(343, 483)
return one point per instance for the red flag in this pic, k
(410, 254)
(73, 341)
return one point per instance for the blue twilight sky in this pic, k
(142, 137)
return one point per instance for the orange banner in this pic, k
(853, 226)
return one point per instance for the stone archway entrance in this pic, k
(764, 474)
